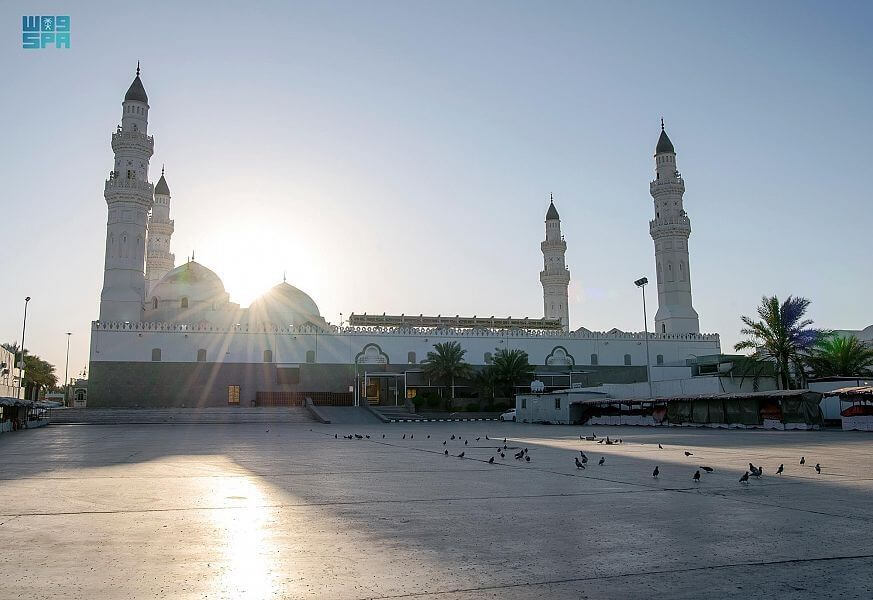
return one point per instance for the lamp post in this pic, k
(641, 283)
(21, 362)
(67, 369)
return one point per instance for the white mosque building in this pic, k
(170, 336)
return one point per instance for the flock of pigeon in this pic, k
(582, 460)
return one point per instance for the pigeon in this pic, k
(519, 455)
(428, 437)
(601, 461)
(477, 439)
(687, 453)
(504, 440)
(525, 450)
(453, 436)
(579, 464)
(818, 468)
(461, 455)
(707, 469)
(752, 468)
(360, 437)
(620, 441)
(581, 438)
(444, 442)
(336, 436)
(696, 476)
(745, 477)
(367, 436)
(594, 435)
(780, 469)
(404, 436)
(491, 461)
(660, 447)
(600, 441)
(446, 452)
(757, 471)
(486, 437)
(383, 436)
(504, 447)
(584, 459)
(502, 455)
(803, 460)
(527, 458)
(581, 453)
(656, 472)
(411, 435)
(268, 431)
(465, 442)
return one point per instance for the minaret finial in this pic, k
(192, 254)
(162, 170)
(284, 280)
(551, 197)
(137, 68)
(662, 123)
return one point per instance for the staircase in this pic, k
(223, 415)
(395, 412)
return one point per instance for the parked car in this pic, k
(508, 415)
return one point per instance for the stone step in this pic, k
(112, 416)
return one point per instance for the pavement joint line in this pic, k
(621, 576)
(321, 504)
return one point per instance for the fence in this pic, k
(298, 398)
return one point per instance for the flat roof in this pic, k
(473, 322)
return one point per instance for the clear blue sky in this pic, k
(398, 156)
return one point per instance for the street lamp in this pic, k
(641, 283)
(67, 369)
(21, 362)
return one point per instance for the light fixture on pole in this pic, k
(67, 369)
(21, 362)
(641, 283)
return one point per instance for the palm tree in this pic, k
(445, 364)
(838, 356)
(510, 367)
(782, 335)
(485, 382)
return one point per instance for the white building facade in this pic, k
(171, 336)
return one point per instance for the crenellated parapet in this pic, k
(133, 140)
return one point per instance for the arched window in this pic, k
(154, 304)
(627, 359)
(156, 355)
(410, 358)
(663, 328)
(659, 359)
(201, 355)
(681, 270)
(310, 356)
(268, 356)
(184, 303)
(593, 359)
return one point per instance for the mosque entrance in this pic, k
(384, 389)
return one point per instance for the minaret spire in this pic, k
(555, 276)
(137, 68)
(670, 230)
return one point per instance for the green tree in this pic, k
(781, 335)
(840, 356)
(485, 383)
(445, 364)
(511, 367)
(38, 373)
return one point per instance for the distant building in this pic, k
(10, 376)
(169, 335)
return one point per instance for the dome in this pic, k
(285, 305)
(161, 186)
(664, 143)
(136, 92)
(552, 213)
(191, 280)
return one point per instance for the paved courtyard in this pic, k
(288, 511)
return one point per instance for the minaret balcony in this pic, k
(126, 187)
(133, 140)
(161, 227)
(673, 185)
(553, 245)
(680, 225)
(556, 277)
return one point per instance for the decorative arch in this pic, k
(560, 357)
(371, 354)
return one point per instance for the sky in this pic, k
(398, 156)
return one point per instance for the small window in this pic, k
(557, 404)
(659, 359)
(663, 328)
(627, 359)
(184, 302)
(310, 356)
(593, 359)
(410, 358)
(233, 394)
(156, 355)
(268, 356)
(524, 402)
(154, 303)
(201, 355)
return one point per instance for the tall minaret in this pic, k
(159, 260)
(670, 230)
(129, 197)
(555, 275)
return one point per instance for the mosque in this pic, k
(170, 335)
